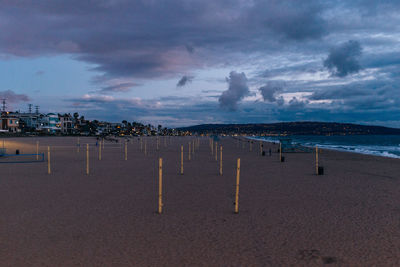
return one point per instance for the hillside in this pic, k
(292, 128)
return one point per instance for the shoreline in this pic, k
(327, 147)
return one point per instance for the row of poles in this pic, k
(101, 147)
(318, 168)
(191, 148)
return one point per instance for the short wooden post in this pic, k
(237, 186)
(160, 186)
(100, 151)
(216, 151)
(181, 159)
(126, 150)
(87, 159)
(316, 160)
(48, 161)
(189, 151)
(37, 150)
(220, 161)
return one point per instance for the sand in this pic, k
(288, 216)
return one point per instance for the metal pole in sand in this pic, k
(260, 148)
(141, 144)
(145, 147)
(189, 151)
(193, 147)
(78, 144)
(237, 186)
(48, 161)
(157, 142)
(103, 143)
(316, 160)
(160, 186)
(100, 151)
(37, 150)
(212, 147)
(87, 159)
(220, 161)
(251, 146)
(126, 150)
(280, 152)
(181, 159)
(216, 151)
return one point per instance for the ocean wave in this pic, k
(387, 152)
(391, 151)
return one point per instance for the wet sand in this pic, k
(288, 216)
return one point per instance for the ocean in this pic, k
(378, 145)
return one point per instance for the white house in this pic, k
(66, 123)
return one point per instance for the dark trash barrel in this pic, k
(263, 153)
(321, 170)
(17, 152)
(282, 159)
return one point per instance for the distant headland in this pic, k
(291, 128)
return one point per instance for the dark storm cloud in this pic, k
(269, 92)
(237, 90)
(344, 59)
(297, 104)
(11, 97)
(149, 38)
(184, 80)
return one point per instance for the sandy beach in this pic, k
(288, 216)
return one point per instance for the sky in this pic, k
(186, 62)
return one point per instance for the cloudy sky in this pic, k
(185, 62)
